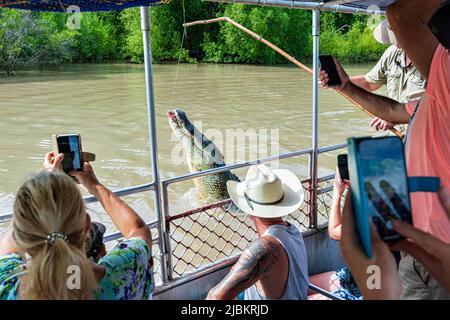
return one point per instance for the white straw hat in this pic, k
(267, 193)
(384, 34)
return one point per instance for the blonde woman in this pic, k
(43, 254)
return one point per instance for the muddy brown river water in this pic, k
(106, 105)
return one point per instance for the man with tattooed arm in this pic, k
(274, 266)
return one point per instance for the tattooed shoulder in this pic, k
(261, 256)
(254, 263)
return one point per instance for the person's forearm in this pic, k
(217, 294)
(122, 215)
(362, 82)
(254, 263)
(389, 288)
(335, 218)
(232, 284)
(379, 106)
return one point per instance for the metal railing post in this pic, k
(166, 211)
(313, 165)
(151, 113)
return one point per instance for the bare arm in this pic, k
(122, 215)
(390, 286)
(408, 19)
(362, 82)
(335, 218)
(377, 123)
(379, 106)
(255, 263)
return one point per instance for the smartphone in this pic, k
(342, 164)
(327, 64)
(379, 187)
(70, 146)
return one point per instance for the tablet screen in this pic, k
(385, 183)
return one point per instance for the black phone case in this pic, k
(327, 64)
(342, 163)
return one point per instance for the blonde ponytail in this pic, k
(51, 204)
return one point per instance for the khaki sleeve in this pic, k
(378, 73)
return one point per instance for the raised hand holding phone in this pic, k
(53, 162)
(380, 188)
(86, 177)
(361, 266)
(67, 155)
(335, 66)
(342, 163)
(329, 66)
(70, 146)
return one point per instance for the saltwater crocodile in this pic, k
(201, 154)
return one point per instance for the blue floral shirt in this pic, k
(129, 273)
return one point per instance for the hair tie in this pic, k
(51, 237)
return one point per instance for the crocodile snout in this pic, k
(172, 116)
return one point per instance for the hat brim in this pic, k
(293, 196)
(383, 34)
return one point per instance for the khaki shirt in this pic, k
(404, 82)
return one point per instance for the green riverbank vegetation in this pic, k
(30, 39)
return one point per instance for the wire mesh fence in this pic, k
(324, 199)
(209, 236)
(156, 263)
(202, 237)
(219, 231)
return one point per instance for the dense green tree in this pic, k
(97, 39)
(27, 39)
(288, 29)
(349, 38)
(165, 39)
(345, 36)
(167, 31)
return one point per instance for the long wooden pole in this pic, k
(281, 52)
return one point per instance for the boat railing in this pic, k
(215, 233)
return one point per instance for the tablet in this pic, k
(379, 186)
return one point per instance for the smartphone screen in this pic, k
(342, 163)
(384, 178)
(327, 64)
(70, 146)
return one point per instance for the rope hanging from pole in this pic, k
(282, 53)
(183, 37)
